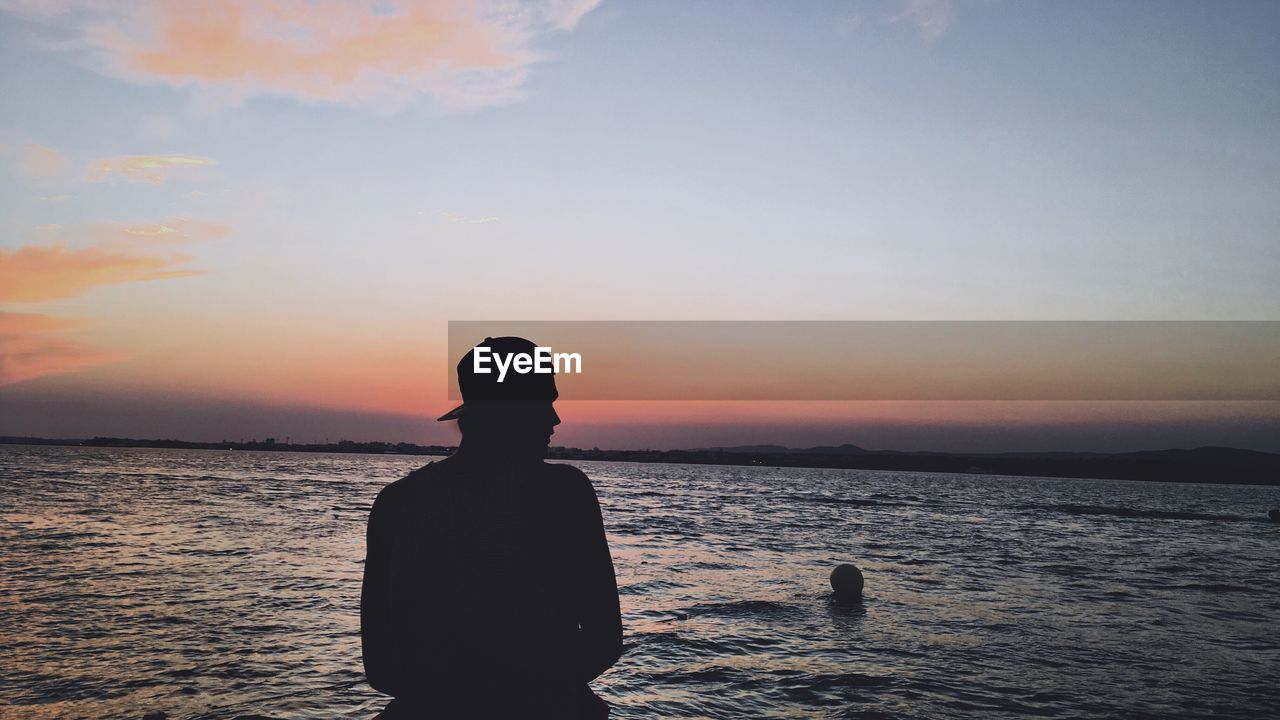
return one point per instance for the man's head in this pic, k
(508, 412)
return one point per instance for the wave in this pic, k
(824, 500)
(743, 608)
(1213, 587)
(1128, 512)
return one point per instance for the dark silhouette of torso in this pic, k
(489, 590)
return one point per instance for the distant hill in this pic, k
(845, 449)
(746, 449)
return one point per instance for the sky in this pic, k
(238, 220)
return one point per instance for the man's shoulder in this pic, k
(398, 489)
(561, 475)
(564, 473)
(567, 481)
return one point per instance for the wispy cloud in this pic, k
(566, 14)
(28, 351)
(386, 53)
(154, 169)
(43, 163)
(464, 220)
(180, 229)
(931, 18)
(55, 198)
(118, 253)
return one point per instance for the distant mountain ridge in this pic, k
(845, 449)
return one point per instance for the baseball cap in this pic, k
(479, 389)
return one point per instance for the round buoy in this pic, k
(846, 581)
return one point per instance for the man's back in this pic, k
(488, 590)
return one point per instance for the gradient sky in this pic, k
(250, 219)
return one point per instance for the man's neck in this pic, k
(486, 451)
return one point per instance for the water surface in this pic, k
(219, 584)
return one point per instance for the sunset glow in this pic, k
(232, 218)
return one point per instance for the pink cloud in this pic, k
(21, 323)
(28, 352)
(43, 163)
(119, 253)
(39, 273)
(460, 53)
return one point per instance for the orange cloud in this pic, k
(27, 353)
(154, 169)
(39, 273)
(43, 163)
(120, 253)
(20, 323)
(461, 53)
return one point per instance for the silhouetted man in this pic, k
(489, 590)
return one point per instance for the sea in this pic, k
(225, 584)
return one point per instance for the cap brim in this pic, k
(453, 414)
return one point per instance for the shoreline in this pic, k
(1206, 465)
